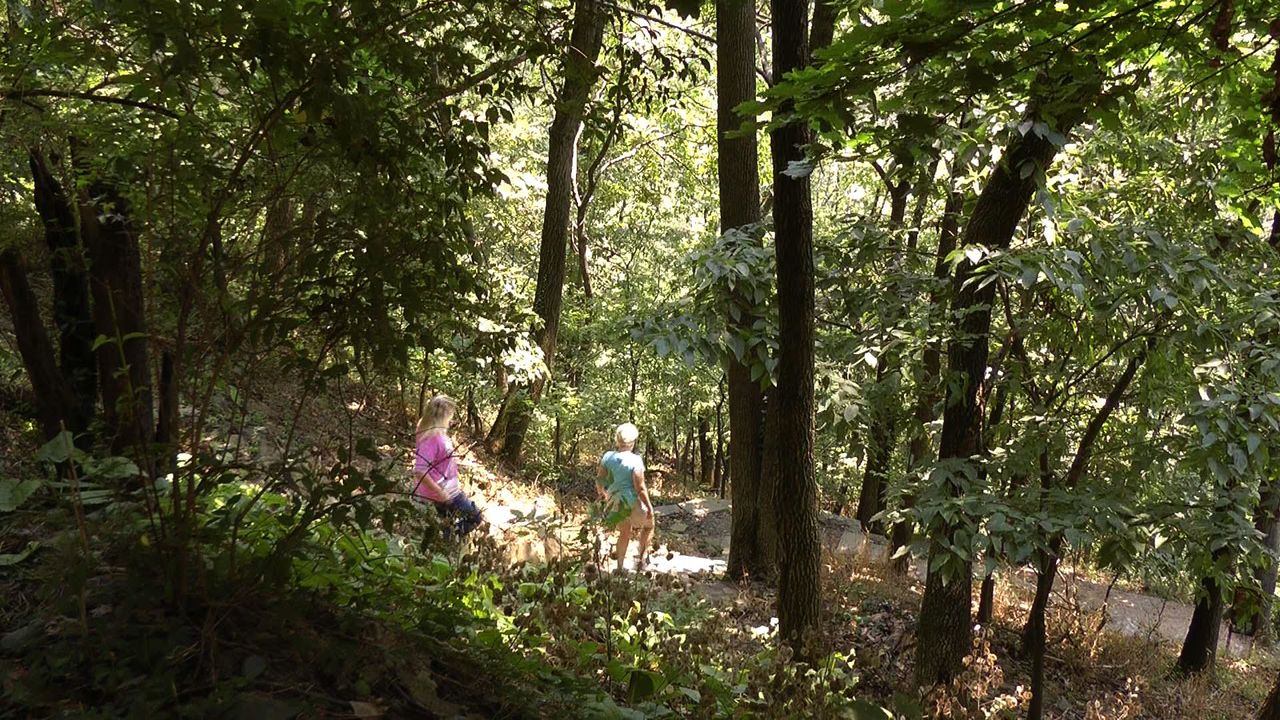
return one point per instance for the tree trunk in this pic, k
(881, 437)
(753, 545)
(167, 422)
(929, 392)
(53, 396)
(115, 279)
(1200, 648)
(675, 441)
(987, 600)
(1251, 609)
(579, 76)
(72, 311)
(739, 188)
(795, 496)
(719, 475)
(1033, 639)
(555, 442)
(706, 463)
(944, 610)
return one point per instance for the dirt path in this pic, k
(1129, 613)
(693, 540)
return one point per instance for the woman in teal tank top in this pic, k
(620, 481)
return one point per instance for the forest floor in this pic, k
(693, 537)
(1120, 672)
(1111, 649)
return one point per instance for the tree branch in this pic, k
(16, 94)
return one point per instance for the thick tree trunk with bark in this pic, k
(750, 553)
(579, 76)
(1200, 647)
(119, 314)
(796, 493)
(945, 609)
(72, 310)
(53, 396)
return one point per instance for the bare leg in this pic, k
(624, 540)
(646, 536)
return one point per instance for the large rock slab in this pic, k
(704, 506)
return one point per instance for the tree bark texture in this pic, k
(72, 309)
(579, 76)
(750, 553)
(119, 314)
(53, 395)
(944, 611)
(796, 494)
(1200, 647)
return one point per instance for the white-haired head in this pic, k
(626, 436)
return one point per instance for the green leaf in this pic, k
(643, 685)
(15, 558)
(13, 493)
(863, 710)
(58, 450)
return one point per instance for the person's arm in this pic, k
(426, 479)
(642, 492)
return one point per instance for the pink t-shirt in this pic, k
(434, 456)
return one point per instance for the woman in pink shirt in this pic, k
(435, 467)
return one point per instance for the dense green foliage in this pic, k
(331, 207)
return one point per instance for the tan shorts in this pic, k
(638, 520)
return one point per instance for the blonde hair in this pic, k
(437, 413)
(626, 434)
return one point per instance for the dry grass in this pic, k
(1093, 673)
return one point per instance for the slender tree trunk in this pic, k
(555, 442)
(1033, 639)
(882, 430)
(167, 422)
(739, 182)
(945, 609)
(987, 599)
(719, 474)
(987, 595)
(631, 392)
(72, 311)
(706, 463)
(53, 396)
(799, 601)
(929, 393)
(579, 76)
